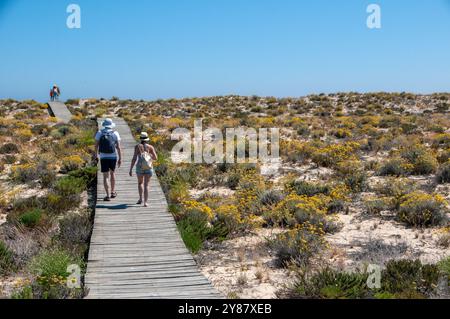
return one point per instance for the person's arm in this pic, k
(97, 145)
(133, 161)
(153, 153)
(119, 153)
(119, 149)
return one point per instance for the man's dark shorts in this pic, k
(108, 165)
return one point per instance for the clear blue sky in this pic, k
(182, 48)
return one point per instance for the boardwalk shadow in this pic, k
(116, 207)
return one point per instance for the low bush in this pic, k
(53, 263)
(270, 197)
(328, 283)
(298, 210)
(6, 259)
(298, 246)
(75, 229)
(88, 175)
(419, 209)
(230, 217)
(56, 204)
(24, 173)
(409, 278)
(444, 267)
(307, 188)
(393, 167)
(194, 230)
(443, 175)
(374, 206)
(71, 163)
(425, 164)
(332, 155)
(9, 149)
(32, 218)
(69, 186)
(23, 245)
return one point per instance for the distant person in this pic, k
(144, 155)
(107, 147)
(55, 93)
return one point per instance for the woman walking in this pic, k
(144, 154)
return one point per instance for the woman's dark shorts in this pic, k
(108, 164)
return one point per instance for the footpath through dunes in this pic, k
(137, 252)
(60, 111)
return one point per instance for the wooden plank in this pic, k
(137, 252)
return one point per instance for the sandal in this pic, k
(107, 199)
(139, 202)
(114, 195)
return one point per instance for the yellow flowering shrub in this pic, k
(297, 210)
(24, 134)
(234, 221)
(333, 154)
(72, 163)
(296, 151)
(250, 186)
(190, 206)
(230, 216)
(340, 192)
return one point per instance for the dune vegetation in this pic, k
(46, 220)
(363, 180)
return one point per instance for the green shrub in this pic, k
(58, 204)
(71, 163)
(6, 259)
(394, 167)
(270, 197)
(88, 175)
(68, 186)
(194, 231)
(307, 188)
(297, 246)
(32, 218)
(409, 278)
(443, 176)
(421, 209)
(53, 263)
(233, 180)
(356, 181)
(9, 148)
(375, 206)
(444, 266)
(329, 284)
(42, 290)
(425, 164)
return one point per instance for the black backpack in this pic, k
(107, 143)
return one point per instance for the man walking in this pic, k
(107, 146)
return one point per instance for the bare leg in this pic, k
(113, 181)
(140, 186)
(146, 183)
(105, 183)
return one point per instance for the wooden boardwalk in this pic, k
(60, 111)
(137, 252)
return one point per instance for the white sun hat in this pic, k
(108, 123)
(144, 137)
